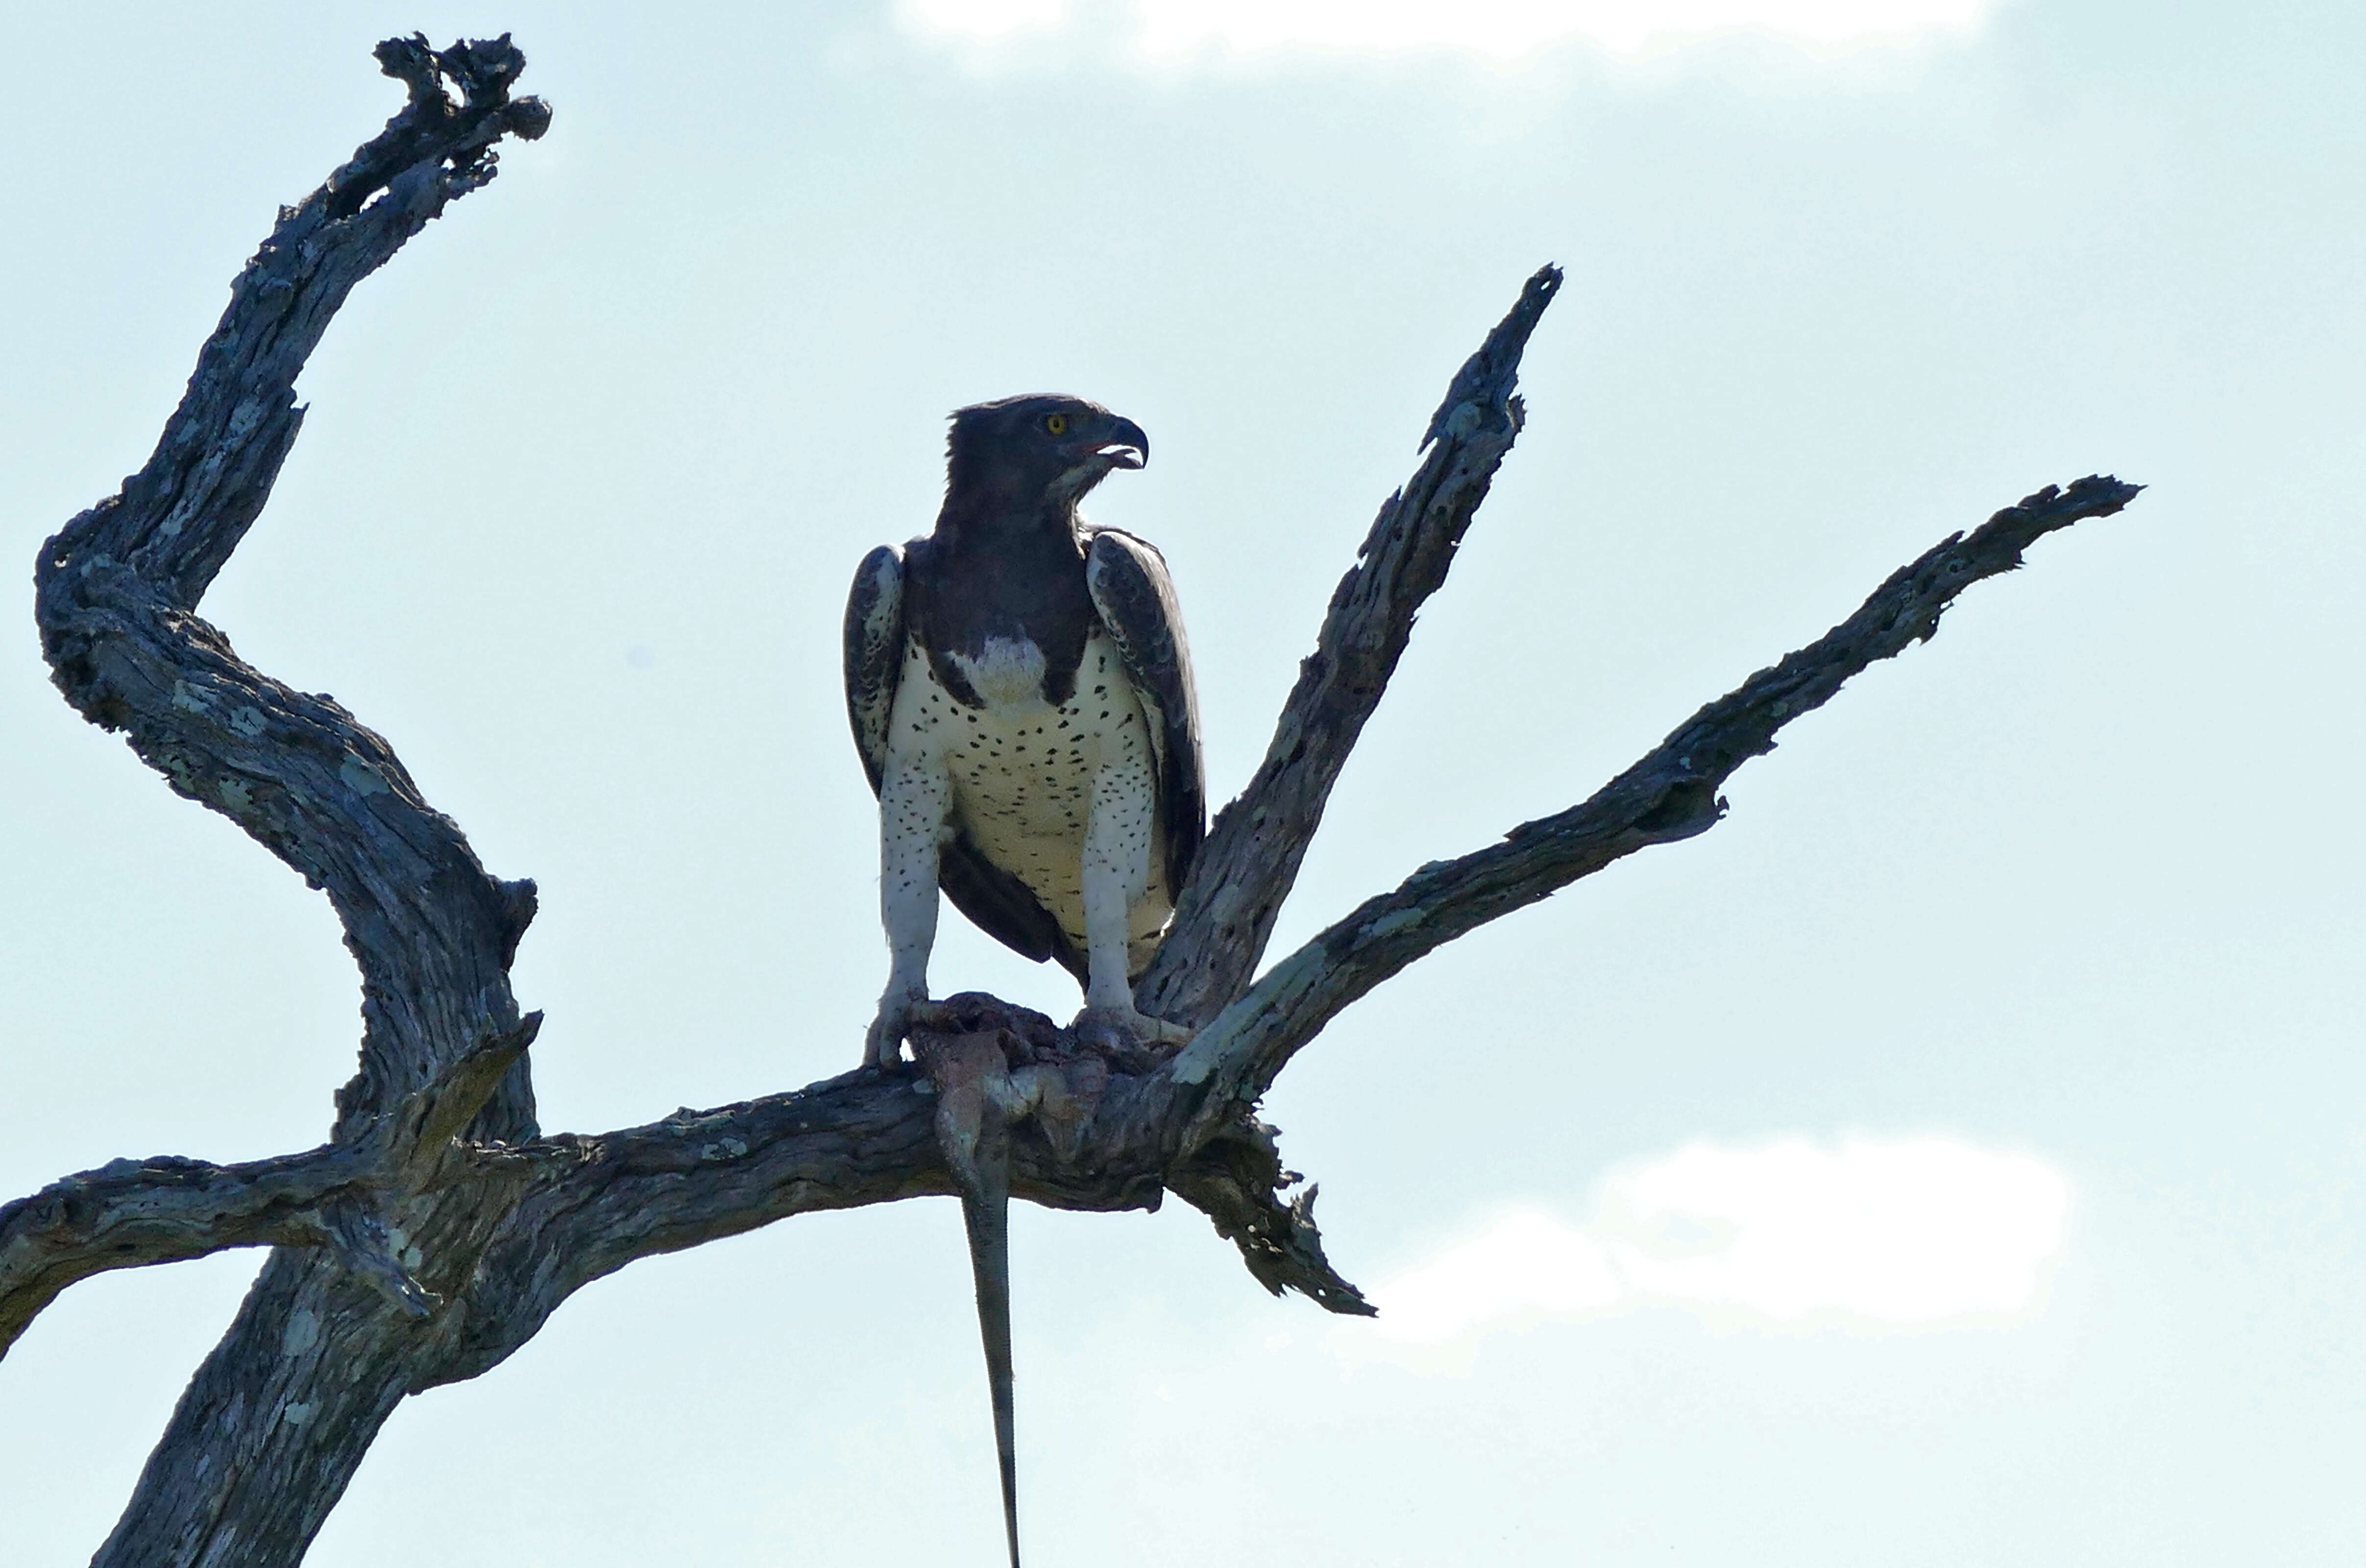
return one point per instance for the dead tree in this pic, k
(438, 1226)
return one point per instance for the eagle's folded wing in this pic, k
(874, 654)
(1135, 598)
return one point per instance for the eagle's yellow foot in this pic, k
(1123, 1026)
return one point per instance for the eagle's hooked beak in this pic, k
(1094, 447)
(1123, 445)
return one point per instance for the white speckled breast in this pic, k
(1023, 770)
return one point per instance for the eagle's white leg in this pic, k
(915, 801)
(1116, 873)
(1116, 870)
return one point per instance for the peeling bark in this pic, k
(438, 1228)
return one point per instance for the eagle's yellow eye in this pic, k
(1057, 423)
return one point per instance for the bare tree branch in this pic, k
(1669, 793)
(1225, 915)
(116, 587)
(1235, 1176)
(603, 1202)
(133, 1213)
(241, 1473)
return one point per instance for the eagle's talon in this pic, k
(883, 1042)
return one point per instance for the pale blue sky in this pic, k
(2066, 896)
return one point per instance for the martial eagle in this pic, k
(1021, 695)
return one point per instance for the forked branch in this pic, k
(1669, 793)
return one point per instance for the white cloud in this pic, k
(1171, 28)
(1915, 1231)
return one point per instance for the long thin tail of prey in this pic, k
(985, 1212)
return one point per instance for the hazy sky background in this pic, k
(1952, 1158)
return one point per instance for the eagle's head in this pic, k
(1038, 448)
